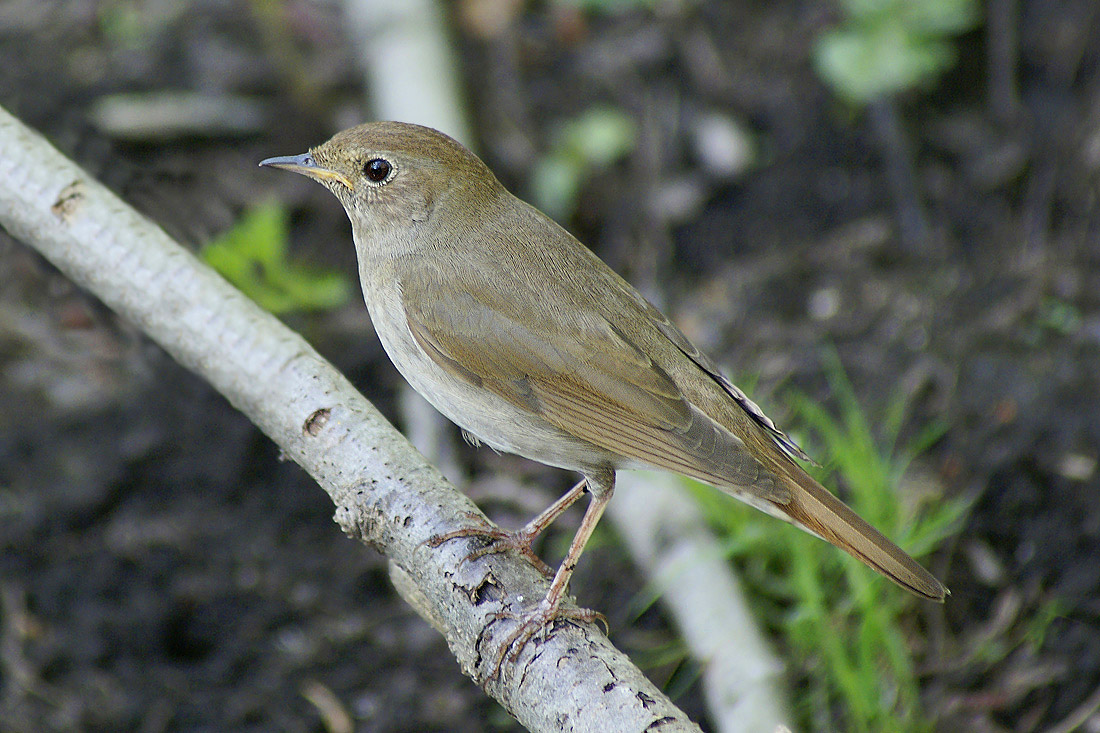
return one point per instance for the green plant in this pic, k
(883, 47)
(593, 140)
(845, 627)
(253, 256)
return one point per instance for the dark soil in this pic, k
(162, 569)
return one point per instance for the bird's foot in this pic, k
(538, 622)
(499, 540)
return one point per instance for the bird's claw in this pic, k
(499, 541)
(537, 622)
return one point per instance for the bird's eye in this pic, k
(377, 169)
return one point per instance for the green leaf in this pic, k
(593, 140)
(940, 17)
(597, 138)
(888, 46)
(253, 256)
(864, 65)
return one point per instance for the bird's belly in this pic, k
(484, 414)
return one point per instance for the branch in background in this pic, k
(668, 537)
(385, 494)
(410, 68)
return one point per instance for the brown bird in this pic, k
(531, 344)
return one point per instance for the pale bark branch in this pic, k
(385, 494)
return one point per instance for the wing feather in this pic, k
(586, 377)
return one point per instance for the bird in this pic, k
(523, 337)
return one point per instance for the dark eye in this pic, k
(377, 169)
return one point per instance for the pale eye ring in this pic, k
(377, 169)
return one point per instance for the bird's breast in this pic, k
(486, 415)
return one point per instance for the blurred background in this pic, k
(879, 215)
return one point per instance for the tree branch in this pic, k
(385, 494)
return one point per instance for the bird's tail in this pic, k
(814, 509)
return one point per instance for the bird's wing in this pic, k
(581, 374)
(669, 330)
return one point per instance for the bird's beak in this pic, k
(307, 166)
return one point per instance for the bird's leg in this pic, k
(600, 486)
(520, 540)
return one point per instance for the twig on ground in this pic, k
(668, 537)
